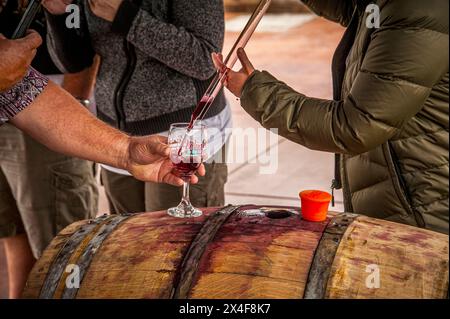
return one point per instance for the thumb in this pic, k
(31, 41)
(148, 149)
(246, 64)
(2, 37)
(157, 145)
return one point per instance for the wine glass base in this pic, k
(183, 211)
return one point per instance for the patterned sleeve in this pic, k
(21, 95)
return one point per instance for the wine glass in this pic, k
(187, 147)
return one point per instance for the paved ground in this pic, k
(301, 57)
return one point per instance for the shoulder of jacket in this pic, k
(430, 14)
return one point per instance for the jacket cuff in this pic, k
(248, 91)
(124, 17)
(249, 82)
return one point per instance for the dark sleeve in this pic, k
(186, 43)
(340, 11)
(70, 48)
(21, 95)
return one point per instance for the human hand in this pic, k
(148, 160)
(16, 57)
(56, 7)
(234, 80)
(105, 9)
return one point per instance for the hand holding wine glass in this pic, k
(235, 81)
(187, 152)
(148, 159)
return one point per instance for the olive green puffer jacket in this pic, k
(390, 120)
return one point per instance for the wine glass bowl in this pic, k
(187, 152)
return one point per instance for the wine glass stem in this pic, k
(186, 192)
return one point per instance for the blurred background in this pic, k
(296, 47)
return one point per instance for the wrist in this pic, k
(123, 158)
(247, 82)
(85, 102)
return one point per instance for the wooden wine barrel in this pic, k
(242, 252)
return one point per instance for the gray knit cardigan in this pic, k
(156, 59)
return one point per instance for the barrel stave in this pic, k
(40, 269)
(140, 259)
(412, 262)
(258, 257)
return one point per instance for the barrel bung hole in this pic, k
(278, 214)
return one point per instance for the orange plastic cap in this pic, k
(315, 205)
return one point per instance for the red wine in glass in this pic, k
(185, 170)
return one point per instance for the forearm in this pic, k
(319, 124)
(58, 121)
(81, 85)
(276, 105)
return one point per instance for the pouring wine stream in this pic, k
(218, 81)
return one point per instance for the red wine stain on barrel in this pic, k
(419, 238)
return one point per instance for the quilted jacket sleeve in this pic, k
(405, 58)
(339, 11)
